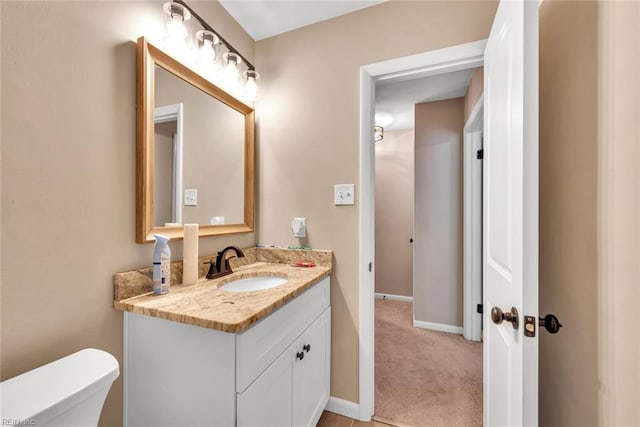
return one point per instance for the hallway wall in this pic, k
(394, 212)
(438, 212)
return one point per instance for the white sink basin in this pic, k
(254, 284)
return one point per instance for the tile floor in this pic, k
(329, 419)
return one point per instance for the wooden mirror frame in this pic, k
(148, 56)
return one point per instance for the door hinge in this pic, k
(370, 266)
(479, 308)
(529, 326)
(480, 154)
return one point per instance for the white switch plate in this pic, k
(191, 197)
(345, 194)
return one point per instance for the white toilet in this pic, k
(67, 392)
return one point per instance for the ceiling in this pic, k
(398, 97)
(266, 18)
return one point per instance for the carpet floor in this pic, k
(424, 378)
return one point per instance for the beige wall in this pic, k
(308, 134)
(438, 212)
(619, 213)
(475, 89)
(213, 151)
(68, 172)
(394, 213)
(568, 211)
(590, 212)
(68, 175)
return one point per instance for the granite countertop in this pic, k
(204, 304)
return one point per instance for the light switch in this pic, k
(345, 194)
(191, 197)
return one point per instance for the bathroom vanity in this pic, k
(204, 356)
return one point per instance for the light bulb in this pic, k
(251, 86)
(231, 72)
(206, 53)
(175, 37)
(251, 89)
(217, 73)
(176, 29)
(207, 41)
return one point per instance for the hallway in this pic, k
(423, 377)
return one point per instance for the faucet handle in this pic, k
(212, 269)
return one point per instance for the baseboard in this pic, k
(437, 327)
(343, 407)
(394, 297)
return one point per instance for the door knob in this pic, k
(550, 323)
(498, 316)
(300, 355)
(307, 347)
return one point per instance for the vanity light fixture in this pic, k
(251, 85)
(378, 133)
(224, 70)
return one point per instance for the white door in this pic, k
(510, 246)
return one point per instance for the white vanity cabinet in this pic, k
(294, 389)
(276, 373)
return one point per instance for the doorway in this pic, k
(510, 206)
(438, 62)
(427, 131)
(168, 126)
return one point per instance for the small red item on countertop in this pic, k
(304, 264)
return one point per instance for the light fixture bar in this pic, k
(209, 28)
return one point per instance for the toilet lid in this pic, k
(61, 382)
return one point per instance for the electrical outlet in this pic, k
(191, 197)
(344, 194)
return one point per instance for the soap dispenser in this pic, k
(161, 265)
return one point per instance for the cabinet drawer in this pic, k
(260, 345)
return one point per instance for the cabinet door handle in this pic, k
(307, 347)
(300, 355)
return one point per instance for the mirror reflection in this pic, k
(194, 151)
(199, 156)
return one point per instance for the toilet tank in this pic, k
(67, 392)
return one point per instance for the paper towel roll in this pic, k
(190, 254)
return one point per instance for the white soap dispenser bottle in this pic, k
(161, 265)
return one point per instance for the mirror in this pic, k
(195, 152)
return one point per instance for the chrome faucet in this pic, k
(221, 267)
